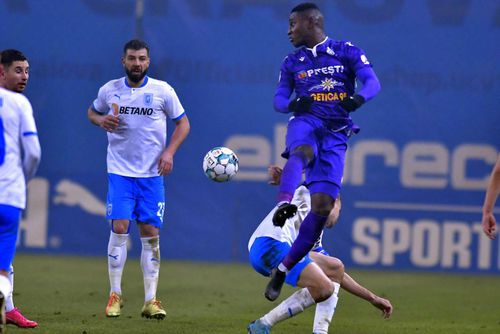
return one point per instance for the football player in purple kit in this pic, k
(322, 73)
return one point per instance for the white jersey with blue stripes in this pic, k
(136, 145)
(19, 147)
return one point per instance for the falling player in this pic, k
(318, 274)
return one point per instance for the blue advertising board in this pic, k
(415, 175)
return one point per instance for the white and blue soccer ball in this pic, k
(220, 164)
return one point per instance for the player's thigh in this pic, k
(331, 266)
(328, 167)
(313, 277)
(121, 197)
(300, 132)
(9, 226)
(150, 206)
(266, 254)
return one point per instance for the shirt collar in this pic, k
(314, 49)
(144, 83)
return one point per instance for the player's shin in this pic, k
(291, 306)
(309, 232)
(324, 312)
(291, 176)
(4, 290)
(9, 302)
(117, 256)
(150, 264)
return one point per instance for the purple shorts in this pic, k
(324, 173)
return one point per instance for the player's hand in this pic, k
(489, 225)
(274, 174)
(109, 122)
(165, 164)
(352, 102)
(333, 217)
(301, 104)
(384, 305)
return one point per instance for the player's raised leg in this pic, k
(299, 154)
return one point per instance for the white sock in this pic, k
(4, 285)
(282, 268)
(291, 306)
(150, 264)
(117, 255)
(9, 301)
(324, 312)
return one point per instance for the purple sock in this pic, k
(309, 232)
(291, 176)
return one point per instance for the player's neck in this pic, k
(315, 40)
(135, 84)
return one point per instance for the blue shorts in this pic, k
(324, 173)
(267, 253)
(9, 226)
(140, 199)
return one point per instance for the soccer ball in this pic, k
(220, 164)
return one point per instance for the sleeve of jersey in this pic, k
(99, 105)
(284, 89)
(364, 73)
(29, 140)
(370, 82)
(174, 108)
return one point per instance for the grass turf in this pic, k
(68, 294)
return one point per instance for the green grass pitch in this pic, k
(68, 294)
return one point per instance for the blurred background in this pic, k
(416, 173)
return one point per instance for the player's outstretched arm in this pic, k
(350, 285)
(166, 161)
(488, 220)
(107, 122)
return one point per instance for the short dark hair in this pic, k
(7, 57)
(135, 44)
(304, 6)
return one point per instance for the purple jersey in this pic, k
(327, 73)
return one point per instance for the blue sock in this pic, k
(309, 232)
(291, 176)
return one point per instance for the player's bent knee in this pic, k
(306, 152)
(322, 290)
(337, 269)
(120, 226)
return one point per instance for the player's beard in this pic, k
(136, 77)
